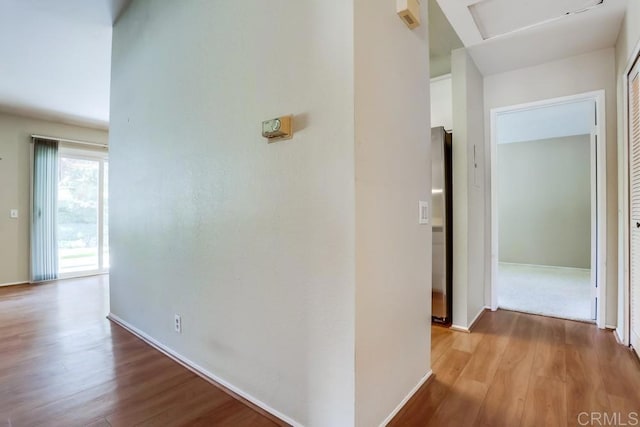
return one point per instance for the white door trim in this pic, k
(601, 226)
(593, 146)
(624, 273)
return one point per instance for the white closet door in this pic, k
(634, 190)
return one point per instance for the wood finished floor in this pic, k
(518, 369)
(438, 304)
(63, 364)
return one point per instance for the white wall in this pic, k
(578, 74)
(442, 102)
(393, 172)
(628, 40)
(258, 245)
(544, 202)
(15, 137)
(548, 121)
(253, 243)
(468, 190)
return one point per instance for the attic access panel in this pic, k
(497, 17)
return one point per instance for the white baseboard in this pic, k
(407, 398)
(475, 319)
(201, 372)
(473, 322)
(2, 285)
(613, 328)
(616, 334)
(545, 266)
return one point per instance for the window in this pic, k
(82, 217)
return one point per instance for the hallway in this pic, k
(62, 363)
(518, 369)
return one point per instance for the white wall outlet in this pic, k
(13, 213)
(177, 323)
(423, 215)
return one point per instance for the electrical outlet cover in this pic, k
(177, 323)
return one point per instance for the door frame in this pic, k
(599, 251)
(101, 157)
(623, 334)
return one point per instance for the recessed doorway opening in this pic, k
(548, 201)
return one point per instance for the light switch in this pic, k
(423, 217)
(14, 213)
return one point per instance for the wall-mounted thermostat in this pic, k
(409, 12)
(278, 129)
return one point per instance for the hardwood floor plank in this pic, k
(496, 323)
(135, 412)
(461, 406)
(546, 403)
(584, 384)
(504, 403)
(193, 404)
(97, 401)
(628, 410)
(229, 416)
(25, 394)
(611, 362)
(466, 342)
(579, 334)
(441, 341)
(486, 357)
(550, 358)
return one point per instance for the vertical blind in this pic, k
(44, 242)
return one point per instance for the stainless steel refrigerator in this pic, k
(441, 221)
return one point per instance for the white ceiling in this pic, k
(56, 58)
(555, 121)
(489, 14)
(503, 35)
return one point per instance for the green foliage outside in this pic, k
(77, 203)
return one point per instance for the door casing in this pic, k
(599, 250)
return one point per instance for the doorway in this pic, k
(82, 207)
(548, 201)
(632, 208)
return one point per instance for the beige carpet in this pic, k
(551, 291)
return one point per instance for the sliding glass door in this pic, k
(83, 247)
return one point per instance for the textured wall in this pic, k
(544, 202)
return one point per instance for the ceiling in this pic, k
(551, 121)
(57, 54)
(503, 35)
(56, 59)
